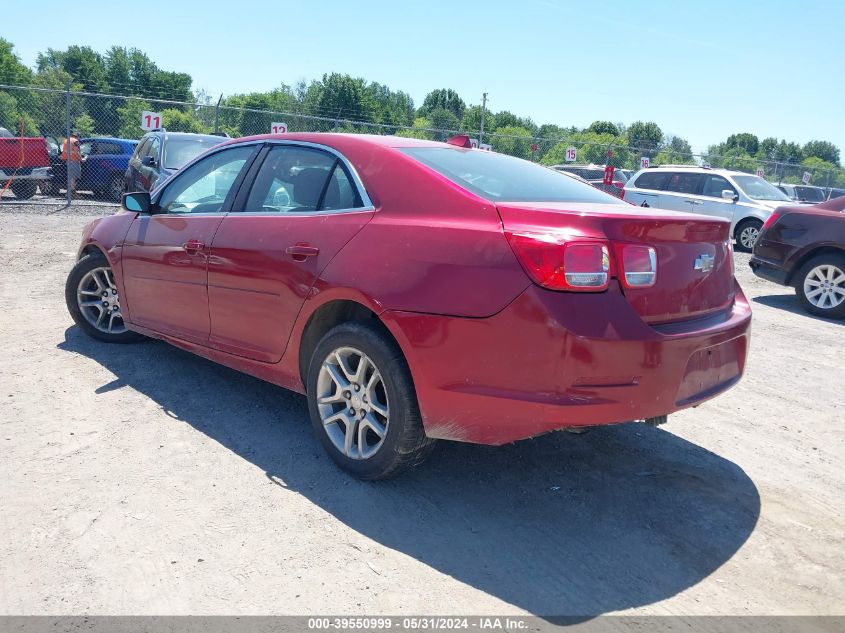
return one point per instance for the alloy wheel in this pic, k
(824, 286)
(352, 403)
(99, 302)
(748, 236)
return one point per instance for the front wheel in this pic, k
(747, 233)
(93, 301)
(820, 286)
(363, 404)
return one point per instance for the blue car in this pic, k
(105, 161)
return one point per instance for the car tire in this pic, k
(49, 188)
(746, 234)
(820, 286)
(92, 310)
(24, 189)
(366, 417)
(115, 189)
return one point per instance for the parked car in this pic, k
(24, 162)
(804, 247)
(744, 199)
(160, 153)
(417, 290)
(105, 160)
(804, 193)
(833, 192)
(594, 174)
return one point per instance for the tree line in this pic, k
(344, 103)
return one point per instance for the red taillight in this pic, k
(638, 265)
(622, 192)
(557, 264)
(771, 219)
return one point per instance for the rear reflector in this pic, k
(560, 265)
(639, 265)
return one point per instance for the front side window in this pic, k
(681, 182)
(714, 185)
(295, 179)
(153, 147)
(809, 194)
(758, 189)
(206, 185)
(141, 149)
(502, 178)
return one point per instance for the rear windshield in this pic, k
(758, 189)
(181, 149)
(503, 178)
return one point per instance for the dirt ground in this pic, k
(140, 479)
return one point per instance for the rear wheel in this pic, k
(820, 286)
(363, 405)
(24, 189)
(746, 234)
(49, 188)
(93, 301)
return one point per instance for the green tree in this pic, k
(84, 124)
(603, 127)
(824, 150)
(445, 120)
(180, 121)
(445, 99)
(12, 71)
(419, 129)
(471, 123)
(745, 141)
(129, 115)
(512, 140)
(645, 137)
(675, 151)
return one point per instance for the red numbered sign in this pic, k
(150, 120)
(571, 154)
(761, 172)
(278, 128)
(645, 162)
(806, 178)
(608, 175)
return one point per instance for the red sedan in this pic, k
(419, 291)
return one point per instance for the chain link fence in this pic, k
(101, 120)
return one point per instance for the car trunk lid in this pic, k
(694, 257)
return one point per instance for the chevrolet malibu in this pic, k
(417, 291)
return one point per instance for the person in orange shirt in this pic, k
(72, 155)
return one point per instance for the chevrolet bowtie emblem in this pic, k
(704, 263)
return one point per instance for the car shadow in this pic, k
(574, 525)
(789, 303)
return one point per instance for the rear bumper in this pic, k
(769, 272)
(551, 360)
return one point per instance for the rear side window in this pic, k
(294, 179)
(106, 148)
(503, 178)
(684, 183)
(655, 180)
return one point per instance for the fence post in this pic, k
(217, 114)
(67, 144)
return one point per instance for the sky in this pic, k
(701, 70)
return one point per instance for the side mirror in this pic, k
(138, 202)
(727, 194)
(148, 161)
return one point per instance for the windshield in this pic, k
(810, 194)
(504, 178)
(180, 150)
(758, 189)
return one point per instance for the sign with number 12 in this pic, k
(150, 120)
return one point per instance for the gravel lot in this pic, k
(140, 479)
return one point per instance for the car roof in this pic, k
(326, 138)
(109, 139)
(695, 169)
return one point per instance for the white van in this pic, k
(744, 199)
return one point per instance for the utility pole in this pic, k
(483, 110)
(217, 114)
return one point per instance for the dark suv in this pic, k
(160, 153)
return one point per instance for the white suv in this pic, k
(744, 199)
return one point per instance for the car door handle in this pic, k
(301, 251)
(694, 201)
(193, 247)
